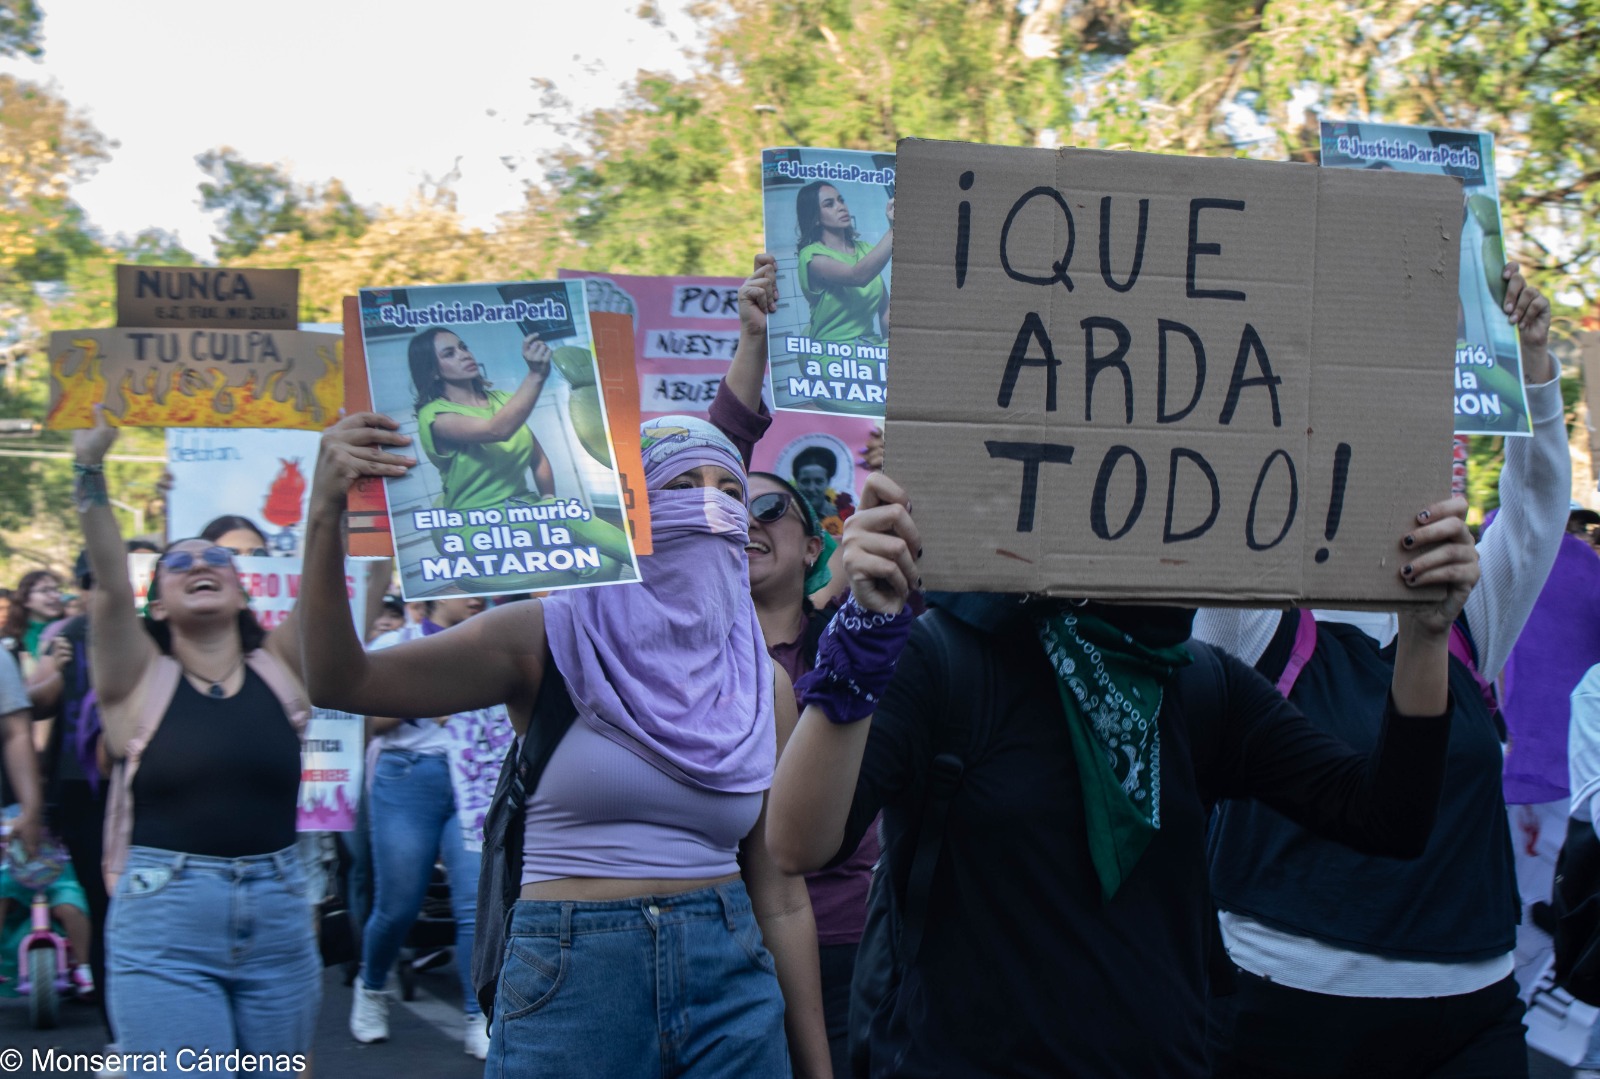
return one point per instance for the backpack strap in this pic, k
(500, 881)
(1463, 648)
(1305, 646)
(960, 733)
(118, 834)
(1300, 653)
(284, 685)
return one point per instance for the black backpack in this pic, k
(894, 927)
(1576, 903)
(500, 872)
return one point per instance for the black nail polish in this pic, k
(919, 552)
(1423, 516)
(1408, 541)
(1405, 571)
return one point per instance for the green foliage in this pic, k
(261, 203)
(19, 28)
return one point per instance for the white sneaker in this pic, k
(477, 1040)
(369, 1014)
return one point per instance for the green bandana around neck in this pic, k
(1111, 689)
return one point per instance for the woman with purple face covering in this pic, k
(649, 902)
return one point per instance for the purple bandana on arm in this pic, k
(673, 668)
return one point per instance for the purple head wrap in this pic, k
(673, 668)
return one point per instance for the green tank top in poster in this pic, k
(840, 312)
(478, 474)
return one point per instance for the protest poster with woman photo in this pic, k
(497, 386)
(830, 222)
(1489, 395)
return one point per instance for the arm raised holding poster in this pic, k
(1288, 897)
(676, 696)
(1103, 742)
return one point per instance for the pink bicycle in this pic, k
(44, 970)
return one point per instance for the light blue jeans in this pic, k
(213, 955)
(656, 987)
(414, 820)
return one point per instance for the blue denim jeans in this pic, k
(213, 955)
(413, 821)
(656, 987)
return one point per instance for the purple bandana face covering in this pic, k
(673, 668)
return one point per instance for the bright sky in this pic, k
(382, 96)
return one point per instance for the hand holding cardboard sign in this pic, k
(1449, 557)
(353, 449)
(881, 547)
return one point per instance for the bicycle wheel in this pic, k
(42, 996)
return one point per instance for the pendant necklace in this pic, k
(215, 690)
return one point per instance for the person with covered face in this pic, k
(209, 940)
(1075, 839)
(654, 934)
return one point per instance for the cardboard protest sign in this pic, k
(263, 475)
(1490, 398)
(366, 507)
(1135, 376)
(619, 385)
(330, 771)
(515, 488)
(1589, 364)
(195, 378)
(830, 224)
(207, 296)
(685, 331)
(699, 317)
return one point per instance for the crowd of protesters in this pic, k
(1175, 843)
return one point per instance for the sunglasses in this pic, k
(770, 508)
(184, 561)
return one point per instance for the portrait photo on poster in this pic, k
(829, 221)
(822, 467)
(513, 490)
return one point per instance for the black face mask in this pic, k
(1155, 627)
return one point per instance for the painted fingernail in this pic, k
(919, 552)
(1424, 515)
(1405, 570)
(1410, 583)
(1408, 541)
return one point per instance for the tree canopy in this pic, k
(667, 181)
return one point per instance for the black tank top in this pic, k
(221, 777)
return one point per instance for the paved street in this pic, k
(425, 1033)
(425, 1037)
